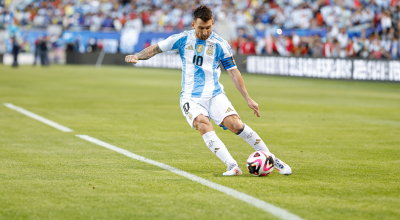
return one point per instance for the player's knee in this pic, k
(202, 123)
(233, 123)
(237, 125)
(202, 127)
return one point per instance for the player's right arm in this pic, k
(171, 43)
(145, 54)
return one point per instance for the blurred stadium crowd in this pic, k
(314, 28)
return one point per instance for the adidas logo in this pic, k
(257, 141)
(210, 143)
(215, 150)
(229, 110)
(190, 47)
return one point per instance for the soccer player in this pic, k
(202, 95)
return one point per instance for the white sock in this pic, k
(253, 139)
(218, 148)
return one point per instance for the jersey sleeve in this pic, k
(227, 57)
(171, 43)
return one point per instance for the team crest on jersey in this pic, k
(210, 50)
(199, 48)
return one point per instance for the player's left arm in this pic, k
(239, 83)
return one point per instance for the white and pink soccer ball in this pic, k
(260, 163)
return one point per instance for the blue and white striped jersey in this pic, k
(200, 66)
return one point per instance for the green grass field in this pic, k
(341, 138)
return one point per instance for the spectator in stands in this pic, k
(336, 49)
(375, 48)
(248, 46)
(343, 40)
(328, 47)
(37, 50)
(364, 53)
(317, 49)
(350, 52)
(386, 20)
(303, 49)
(43, 52)
(289, 46)
(269, 44)
(394, 48)
(15, 50)
(107, 23)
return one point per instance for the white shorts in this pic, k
(217, 108)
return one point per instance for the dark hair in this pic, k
(203, 12)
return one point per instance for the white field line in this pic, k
(37, 117)
(274, 210)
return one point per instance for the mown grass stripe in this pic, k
(274, 210)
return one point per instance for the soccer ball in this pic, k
(260, 163)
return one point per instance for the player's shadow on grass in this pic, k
(242, 176)
(246, 175)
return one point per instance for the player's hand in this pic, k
(131, 59)
(253, 105)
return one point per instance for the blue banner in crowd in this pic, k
(111, 40)
(131, 41)
(151, 38)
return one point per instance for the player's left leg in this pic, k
(234, 124)
(223, 113)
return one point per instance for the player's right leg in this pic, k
(197, 117)
(204, 126)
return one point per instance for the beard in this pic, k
(202, 37)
